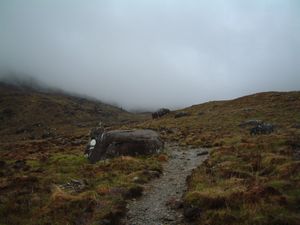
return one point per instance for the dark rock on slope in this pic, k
(159, 113)
(108, 144)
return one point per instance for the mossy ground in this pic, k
(247, 179)
(35, 193)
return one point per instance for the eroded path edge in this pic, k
(162, 197)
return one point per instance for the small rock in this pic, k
(191, 213)
(174, 203)
(168, 218)
(74, 185)
(264, 128)
(21, 164)
(202, 153)
(135, 179)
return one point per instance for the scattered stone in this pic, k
(174, 203)
(181, 114)
(151, 174)
(191, 213)
(168, 218)
(264, 128)
(160, 113)
(202, 153)
(258, 126)
(74, 185)
(21, 165)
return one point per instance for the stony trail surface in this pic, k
(159, 204)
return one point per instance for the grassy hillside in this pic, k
(27, 113)
(44, 177)
(31, 119)
(248, 179)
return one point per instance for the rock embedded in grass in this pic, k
(124, 142)
(264, 128)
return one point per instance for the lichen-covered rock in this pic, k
(123, 142)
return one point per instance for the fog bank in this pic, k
(151, 54)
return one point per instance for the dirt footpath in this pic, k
(162, 197)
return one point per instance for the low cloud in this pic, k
(149, 54)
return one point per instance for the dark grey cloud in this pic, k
(148, 54)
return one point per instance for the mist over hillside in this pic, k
(153, 112)
(26, 82)
(154, 54)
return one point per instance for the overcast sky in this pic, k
(149, 54)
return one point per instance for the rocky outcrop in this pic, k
(264, 128)
(258, 127)
(108, 144)
(181, 114)
(160, 113)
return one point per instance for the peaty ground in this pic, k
(162, 197)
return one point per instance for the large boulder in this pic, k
(108, 144)
(159, 113)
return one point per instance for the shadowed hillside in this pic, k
(44, 176)
(27, 113)
(32, 116)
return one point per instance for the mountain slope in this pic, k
(215, 123)
(23, 106)
(44, 176)
(248, 179)
(26, 113)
